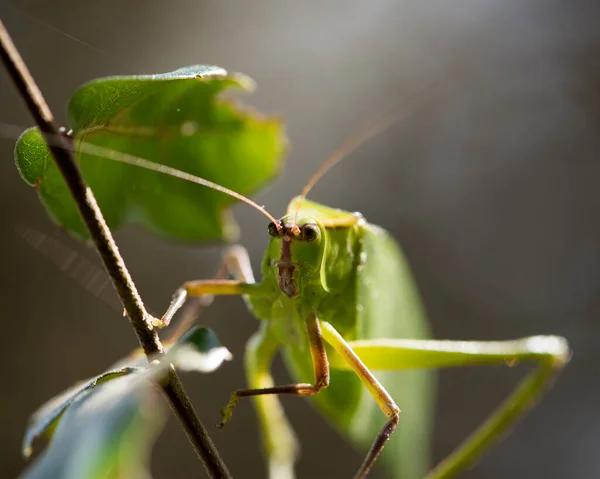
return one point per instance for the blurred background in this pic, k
(491, 187)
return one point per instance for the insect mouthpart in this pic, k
(285, 279)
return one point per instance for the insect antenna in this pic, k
(102, 152)
(49, 26)
(95, 279)
(378, 124)
(92, 277)
(126, 158)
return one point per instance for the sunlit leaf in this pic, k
(180, 119)
(198, 350)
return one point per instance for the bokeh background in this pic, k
(491, 187)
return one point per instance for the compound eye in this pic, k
(273, 230)
(310, 232)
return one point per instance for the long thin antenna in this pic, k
(107, 153)
(49, 26)
(102, 152)
(396, 113)
(367, 131)
(85, 272)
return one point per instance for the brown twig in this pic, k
(109, 253)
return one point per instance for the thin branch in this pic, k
(108, 251)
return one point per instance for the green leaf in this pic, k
(198, 350)
(43, 422)
(106, 433)
(179, 119)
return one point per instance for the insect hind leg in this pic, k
(381, 396)
(551, 353)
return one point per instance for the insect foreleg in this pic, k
(235, 262)
(550, 352)
(321, 370)
(279, 440)
(381, 396)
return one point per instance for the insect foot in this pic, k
(227, 411)
(150, 320)
(157, 323)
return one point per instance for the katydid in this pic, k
(334, 297)
(338, 299)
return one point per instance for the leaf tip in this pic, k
(188, 358)
(26, 450)
(199, 350)
(244, 81)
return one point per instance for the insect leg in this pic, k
(381, 396)
(235, 262)
(279, 440)
(321, 369)
(550, 352)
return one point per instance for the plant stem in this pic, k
(60, 148)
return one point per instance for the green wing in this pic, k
(385, 304)
(391, 308)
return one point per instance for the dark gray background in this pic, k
(491, 188)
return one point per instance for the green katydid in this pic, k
(335, 298)
(333, 295)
